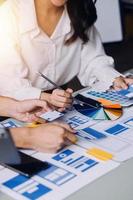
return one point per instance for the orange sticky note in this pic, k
(100, 154)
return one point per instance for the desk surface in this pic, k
(116, 185)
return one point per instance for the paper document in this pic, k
(68, 168)
(101, 146)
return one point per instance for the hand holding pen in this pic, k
(59, 98)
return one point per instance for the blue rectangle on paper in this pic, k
(90, 162)
(16, 181)
(63, 155)
(117, 129)
(40, 191)
(94, 133)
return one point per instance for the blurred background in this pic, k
(115, 24)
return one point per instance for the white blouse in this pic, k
(25, 50)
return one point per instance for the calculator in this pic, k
(123, 97)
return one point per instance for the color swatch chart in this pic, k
(100, 109)
(123, 97)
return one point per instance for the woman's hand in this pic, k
(59, 98)
(122, 83)
(28, 110)
(48, 138)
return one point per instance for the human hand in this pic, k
(59, 98)
(122, 83)
(29, 110)
(51, 137)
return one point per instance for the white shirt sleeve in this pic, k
(95, 64)
(13, 70)
(13, 76)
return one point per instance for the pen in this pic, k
(57, 86)
(53, 83)
(45, 77)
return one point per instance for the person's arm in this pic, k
(14, 70)
(95, 64)
(49, 137)
(6, 106)
(21, 137)
(27, 110)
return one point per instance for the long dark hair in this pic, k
(83, 15)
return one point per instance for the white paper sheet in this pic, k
(69, 170)
(119, 140)
(72, 168)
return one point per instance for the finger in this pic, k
(34, 118)
(61, 105)
(117, 88)
(129, 81)
(121, 84)
(69, 90)
(61, 109)
(40, 120)
(59, 92)
(42, 111)
(62, 93)
(35, 105)
(71, 137)
(43, 104)
(26, 117)
(63, 99)
(47, 150)
(67, 142)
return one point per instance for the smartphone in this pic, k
(28, 166)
